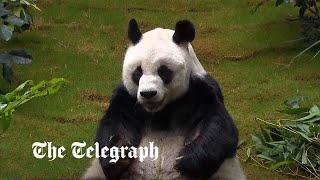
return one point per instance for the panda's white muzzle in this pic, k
(151, 92)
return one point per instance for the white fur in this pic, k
(169, 147)
(230, 169)
(196, 66)
(94, 171)
(157, 48)
(163, 167)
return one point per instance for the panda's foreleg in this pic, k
(120, 126)
(213, 143)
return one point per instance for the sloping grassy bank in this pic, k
(84, 42)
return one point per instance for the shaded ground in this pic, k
(84, 42)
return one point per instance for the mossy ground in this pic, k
(85, 41)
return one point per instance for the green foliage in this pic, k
(13, 57)
(310, 29)
(303, 5)
(310, 15)
(15, 17)
(24, 93)
(290, 144)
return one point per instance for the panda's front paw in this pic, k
(192, 164)
(187, 168)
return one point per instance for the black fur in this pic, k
(136, 75)
(121, 126)
(165, 74)
(134, 33)
(217, 138)
(184, 32)
(211, 136)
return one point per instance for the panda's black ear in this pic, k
(184, 32)
(134, 33)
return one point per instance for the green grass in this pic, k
(85, 41)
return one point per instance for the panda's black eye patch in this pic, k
(166, 74)
(136, 75)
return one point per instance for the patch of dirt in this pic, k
(96, 7)
(2, 135)
(246, 56)
(76, 26)
(234, 27)
(48, 63)
(134, 9)
(41, 25)
(107, 29)
(259, 52)
(205, 48)
(267, 95)
(204, 29)
(144, 25)
(85, 47)
(249, 4)
(93, 95)
(263, 80)
(79, 119)
(199, 10)
(310, 77)
(46, 3)
(172, 9)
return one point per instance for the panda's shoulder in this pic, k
(121, 100)
(205, 87)
(120, 93)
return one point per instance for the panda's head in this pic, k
(158, 64)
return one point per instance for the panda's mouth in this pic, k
(153, 106)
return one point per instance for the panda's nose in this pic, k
(148, 94)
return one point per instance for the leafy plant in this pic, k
(24, 93)
(15, 17)
(309, 15)
(13, 57)
(290, 145)
(303, 5)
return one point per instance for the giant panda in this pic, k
(167, 97)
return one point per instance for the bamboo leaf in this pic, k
(280, 164)
(265, 157)
(24, 93)
(5, 32)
